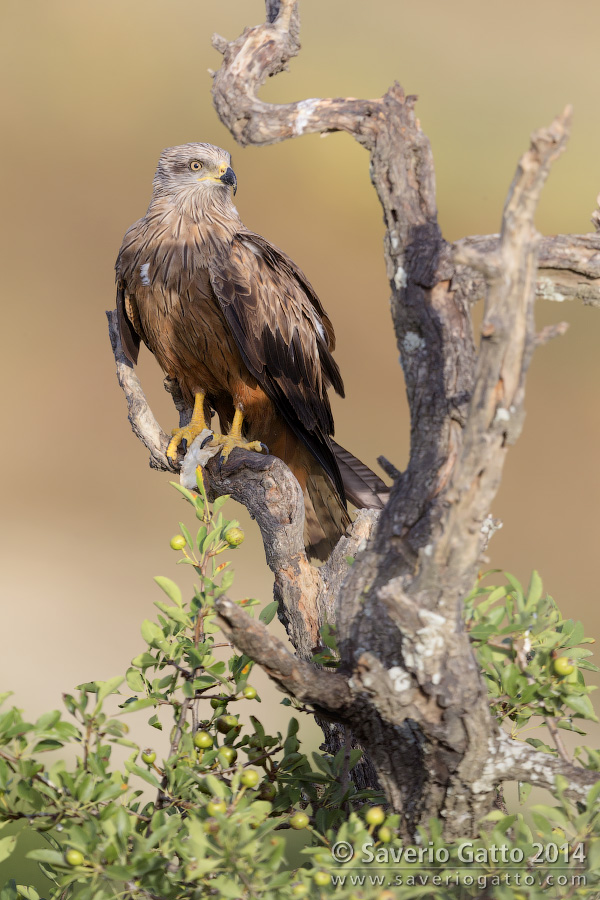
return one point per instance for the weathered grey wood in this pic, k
(568, 267)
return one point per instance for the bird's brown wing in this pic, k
(128, 320)
(283, 335)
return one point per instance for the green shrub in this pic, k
(210, 811)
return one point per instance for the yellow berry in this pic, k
(203, 740)
(216, 806)
(74, 858)
(375, 816)
(226, 723)
(299, 820)
(563, 666)
(250, 778)
(234, 536)
(227, 756)
(178, 542)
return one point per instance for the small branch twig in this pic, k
(558, 741)
(549, 332)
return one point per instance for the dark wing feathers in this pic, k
(283, 335)
(130, 339)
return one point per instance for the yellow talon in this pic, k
(228, 444)
(234, 439)
(196, 425)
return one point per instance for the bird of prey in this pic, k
(239, 326)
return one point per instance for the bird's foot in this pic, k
(188, 433)
(229, 442)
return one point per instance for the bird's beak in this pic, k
(228, 177)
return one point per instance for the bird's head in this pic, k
(202, 169)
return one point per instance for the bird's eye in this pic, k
(195, 165)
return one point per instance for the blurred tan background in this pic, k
(91, 93)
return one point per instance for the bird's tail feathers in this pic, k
(326, 518)
(363, 487)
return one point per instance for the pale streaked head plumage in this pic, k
(196, 170)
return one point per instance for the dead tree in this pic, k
(408, 685)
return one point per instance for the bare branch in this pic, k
(144, 425)
(328, 691)
(263, 51)
(511, 760)
(568, 267)
(271, 494)
(496, 411)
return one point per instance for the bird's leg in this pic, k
(196, 425)
(234, 439)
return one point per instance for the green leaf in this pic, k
(47, 744)
(219, 502)
(151, 632)
(48, 720)
(484, 605)
(202, 682)
(200, 483)
(226, 582)
(144, 774)
(267, 614)
(7, 845)
(581, 705)
(107, 687)
(185, 532)
(144, 660)
(27, 893)
(593, 795)
(524, 791)
(144, 703)
(211, 538)
(511, 675)
(534, 594)
(552, 813)
(215, 786)
(174, 613)
(328, 636)
(135, 680)
(47, 856)
(202, 532)
(170, 588)
(191, 498)
(575, 636)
